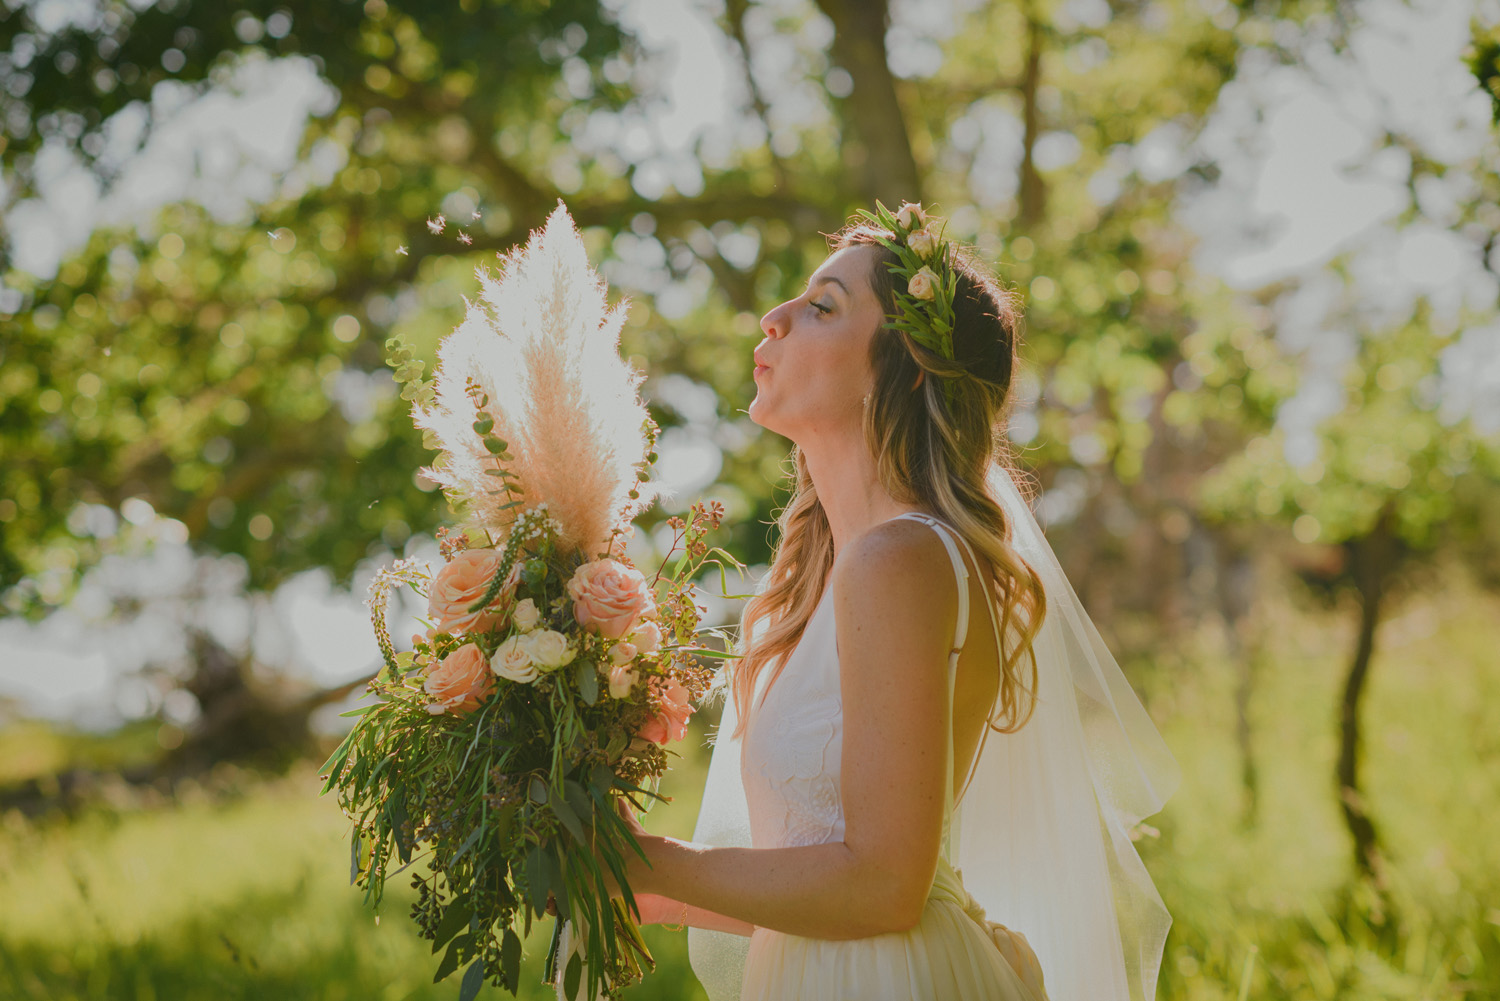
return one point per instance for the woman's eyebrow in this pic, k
(825, 279)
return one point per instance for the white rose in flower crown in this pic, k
(622, 652)
(621, 680)
(512, 661)
(923, 243)
(526, 615)
(909, 213)
(647, 638)
(549, 649)
(923, 285)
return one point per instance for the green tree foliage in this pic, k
(485, 108)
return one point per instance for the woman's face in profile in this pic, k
(813, 369)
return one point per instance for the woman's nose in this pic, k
(773, 324)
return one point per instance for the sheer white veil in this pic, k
(1042, 834)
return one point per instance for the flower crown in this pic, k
(927, 281)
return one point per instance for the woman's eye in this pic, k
(820, 307)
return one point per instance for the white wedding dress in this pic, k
(790, 767)
(1042, 836)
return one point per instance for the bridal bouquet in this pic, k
(554, 672)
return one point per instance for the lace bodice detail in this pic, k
(793, 751)
(791, 762)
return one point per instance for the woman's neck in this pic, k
(849, 490)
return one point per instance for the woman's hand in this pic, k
(639, 873)
(658, 910)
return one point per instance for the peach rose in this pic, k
(460, 682)
(909, 213)
(922, 243)
(672, 711)
(622, 652)
(609, 597)
(463, 582)
(622, 679)
(923, 284)
(647, 638)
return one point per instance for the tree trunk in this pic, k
(1236, 594)
(1033, 195)
(880, 156)
(1371, 558)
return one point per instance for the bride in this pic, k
(928, 763)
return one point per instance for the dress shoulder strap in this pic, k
(947, 534)
(960, 570)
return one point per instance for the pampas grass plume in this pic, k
(543, 345)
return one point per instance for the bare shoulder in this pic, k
(898, 568)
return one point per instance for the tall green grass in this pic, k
(245, 894)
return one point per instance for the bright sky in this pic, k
(1294, 143)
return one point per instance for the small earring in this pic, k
(866, 401)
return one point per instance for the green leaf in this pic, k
(537, 791)
(473, 980)
(570, 978)
(494, 445)
(469, 842)
(578, 799)
(510, 960)
(356, 844)
(485, 424)
(360, 711)
(536, 878)
(455, 919)
(398, 817)
(569, 819)
(450, 958)
(587, 676)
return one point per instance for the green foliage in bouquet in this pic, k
(503, 744)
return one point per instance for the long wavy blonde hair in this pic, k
(929, 452)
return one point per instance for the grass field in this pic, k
(241, 891)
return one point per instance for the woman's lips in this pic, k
(761, 368)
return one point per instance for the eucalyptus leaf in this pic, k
(473, 980)
(450, 958)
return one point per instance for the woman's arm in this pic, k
(895, 606)
(658, 910)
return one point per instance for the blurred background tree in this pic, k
(205, 376)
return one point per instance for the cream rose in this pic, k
(460, 682)
(463, 582)
(622, 652)
(673, 708)
(609, 597)
(622, 679)
(549, 649)
(512, 661)
(647, 638)
(923, 284)
(910, 213)
(526, 615)
(923, 243)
